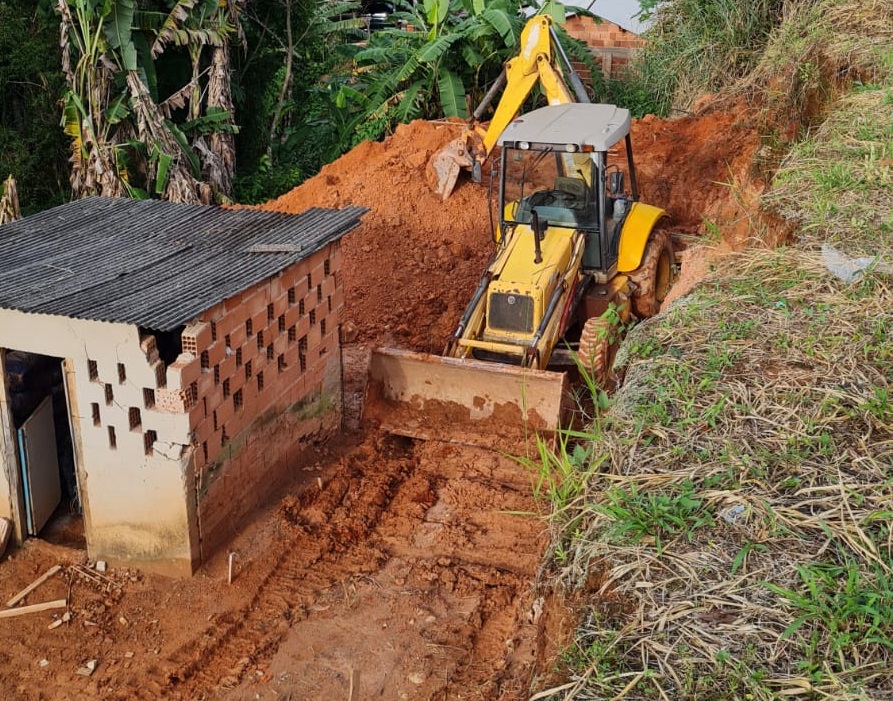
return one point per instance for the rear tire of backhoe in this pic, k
(594, 351)
(654, 276)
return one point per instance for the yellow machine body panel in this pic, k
(532, 64)
(634, 237)
(521, 279)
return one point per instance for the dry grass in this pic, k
(838, 182)
(735, 538)
(818, 47)
(748, 464)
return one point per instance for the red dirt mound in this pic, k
(412, 265)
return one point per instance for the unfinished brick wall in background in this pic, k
(268, 381)
(612, 45)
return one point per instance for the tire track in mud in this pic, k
(322, 546)
(402, 533)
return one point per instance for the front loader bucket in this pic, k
(462, 400)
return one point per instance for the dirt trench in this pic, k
(391, 569)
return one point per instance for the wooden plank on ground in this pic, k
(34, 608)
(31, 587)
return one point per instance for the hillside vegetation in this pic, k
(726, 526)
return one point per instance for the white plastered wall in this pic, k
(137, 507)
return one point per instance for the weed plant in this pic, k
(695, 47)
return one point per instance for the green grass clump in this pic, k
(695, 47)
(839, 181)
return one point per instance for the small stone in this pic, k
(44, 662)
(128, 655)
(101, 565)
(87, 669)
(417, 678)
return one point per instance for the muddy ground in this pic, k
(390, 568)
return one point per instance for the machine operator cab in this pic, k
(560, 168)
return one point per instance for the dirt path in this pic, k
(398, 569)
(421, 585)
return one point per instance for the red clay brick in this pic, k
(292, 316)
(277, 286)
(185, 370)
(215, 398)
(257, 300)
(196, 414)
(170, 401)
(216, 352)
(206, 383)
(250, 351)
(238, 336)
(225, 413)
(228, 367)
(237, 379)
(328, 286)
(280, 304)
(259, 320)
(196, 338)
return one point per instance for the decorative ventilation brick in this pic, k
(172, 401)
(197, 337)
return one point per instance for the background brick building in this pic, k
(611, 44)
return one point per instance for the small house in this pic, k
(163, 367)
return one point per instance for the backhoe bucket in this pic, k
(446, 165)
(462, 400)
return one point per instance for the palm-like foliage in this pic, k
(438, 61)
(125, 140)
(441, 54)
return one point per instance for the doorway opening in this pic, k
(44, 449)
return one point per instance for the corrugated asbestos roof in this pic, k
(152, 263)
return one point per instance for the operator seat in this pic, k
(573, 186)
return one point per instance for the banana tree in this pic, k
(125, 140)
(441, 50)
(200, 27)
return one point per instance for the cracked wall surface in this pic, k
(132, 493)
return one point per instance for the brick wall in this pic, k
(612, 45)
(261, 379)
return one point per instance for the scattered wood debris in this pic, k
(34, 608)
(31, 587)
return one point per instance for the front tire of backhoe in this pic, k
(594, 351)
(654, 276)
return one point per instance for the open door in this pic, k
(40, 466)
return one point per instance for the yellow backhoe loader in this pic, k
(541, 61)
(575, 253)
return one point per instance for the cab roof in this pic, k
(597, 126)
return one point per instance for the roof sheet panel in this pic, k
(152, 263)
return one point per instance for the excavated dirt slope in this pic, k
(391, 569)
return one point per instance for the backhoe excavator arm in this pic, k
(535, 63)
